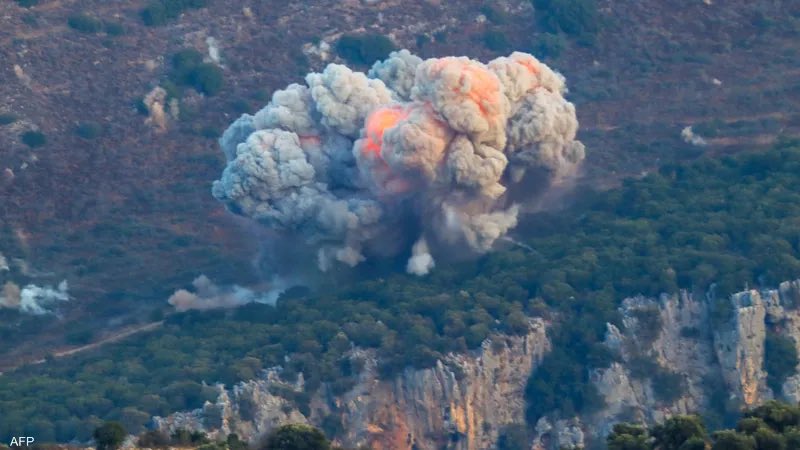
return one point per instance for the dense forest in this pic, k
(711, 226)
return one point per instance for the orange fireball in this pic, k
(377, 123)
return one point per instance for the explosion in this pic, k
(416, 157)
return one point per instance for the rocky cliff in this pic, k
(461, 403)
(676, 354)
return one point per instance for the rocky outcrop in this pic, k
(740, 348)
(461, 403)
(672, 354)
(710, 344)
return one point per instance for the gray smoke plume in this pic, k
(33, 299)
(208, 295)
(418, 156)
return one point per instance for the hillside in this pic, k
(103, 179)
(654, 235)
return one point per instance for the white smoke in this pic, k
(690, 137)
(208, 295)
(155, 101)
(213, 50)
(421, 261)
(33, 299)
(355, 166)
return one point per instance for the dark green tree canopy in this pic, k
(109, 436)
(296, 437)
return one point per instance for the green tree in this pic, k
(364, 49)
(777, 415)
(574, 17)
(84, 23)
(731, 440)
(677, 431)
(627, 436)
(33, 139)
(109, 436)
(296, 437)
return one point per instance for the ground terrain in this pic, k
(127, 216)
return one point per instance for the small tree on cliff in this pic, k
(296, 437)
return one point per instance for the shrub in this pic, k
(34, 139)
(109, 436)
(7, 118)
(113, 28)
(549, 45)
(186, 60)
(190, 70)
(84, 23)
(496, 41)
(574, 17)
(495, 14)
(364, 49)
(159, 12)
(206, 78)
(89, 130)
(295, 437)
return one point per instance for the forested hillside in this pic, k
(712, 226)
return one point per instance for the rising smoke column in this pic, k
(417, 156)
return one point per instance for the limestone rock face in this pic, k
(740, 348)
(461, 403)
(673, 353)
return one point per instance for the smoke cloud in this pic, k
(420, 157)
(690, 137)
(208, 295)
(33, 299)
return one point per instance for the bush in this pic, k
(84, 23)
(113, 28)
(109, 436)
(364, 49)
(549, 45)
(295, 437)
(159, 12)
(89, 130)
(206, 78)
(496, 41)
(495, 14)
(7, 119)
(27, 3)
(574, 17)
(34, 139)
(187, 59)
(188, 69)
